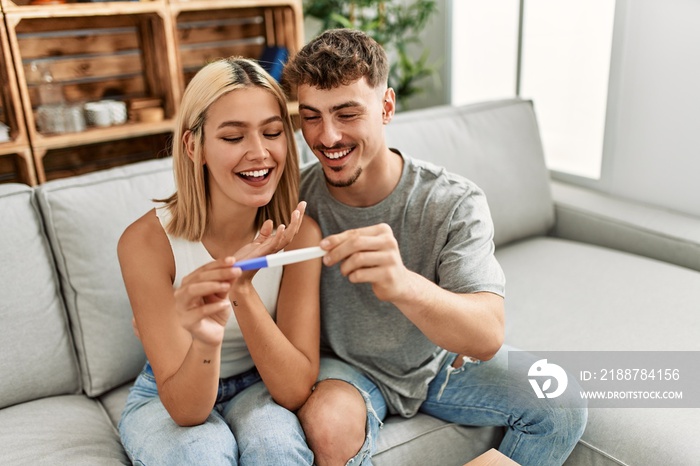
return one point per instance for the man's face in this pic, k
(344, 128)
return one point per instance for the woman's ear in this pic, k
(188, 141)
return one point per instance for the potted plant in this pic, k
(396, 24)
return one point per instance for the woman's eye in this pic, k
(273, 135)
(233, 139)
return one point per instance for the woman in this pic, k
(222, 344)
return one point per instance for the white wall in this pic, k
(652, 151)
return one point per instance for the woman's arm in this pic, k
(286, 353)
(181, 332)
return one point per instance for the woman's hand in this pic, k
(271, 240)
(202, 302)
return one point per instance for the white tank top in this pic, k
(189, 255)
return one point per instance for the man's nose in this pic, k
(330, 134)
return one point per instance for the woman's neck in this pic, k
(229, 229)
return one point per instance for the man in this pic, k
(411, 295)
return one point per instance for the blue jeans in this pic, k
(246, 427)
(481, 394)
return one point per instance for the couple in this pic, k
(235, 374)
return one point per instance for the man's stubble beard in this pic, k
(344, 183)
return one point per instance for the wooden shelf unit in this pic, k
(16, 164)
(209, 29)
(93, 53)
(122, 51)
(81, 8)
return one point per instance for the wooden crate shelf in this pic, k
(121, 50)
(111, 133)
(67, 161)
(118, 57)
(72, 7)
(204, 34)
(16, 164)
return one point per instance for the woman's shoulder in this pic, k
(309, 234)
(144, 234)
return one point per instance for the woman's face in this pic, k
(245, 147)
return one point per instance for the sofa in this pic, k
(585, 271)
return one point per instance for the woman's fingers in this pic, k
(192, 294)
(286, 233)
(206, 322)
(218, 270)
(207, 284)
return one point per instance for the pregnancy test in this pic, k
(281, 258)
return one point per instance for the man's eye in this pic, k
(347, 116)
(310, 118)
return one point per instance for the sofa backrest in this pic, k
(496, 145)
(84, 218)
(36, 351)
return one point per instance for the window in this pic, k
(563, 66)
(484, 50)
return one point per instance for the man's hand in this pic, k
(370, 255)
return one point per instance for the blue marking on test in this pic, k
(252, 264)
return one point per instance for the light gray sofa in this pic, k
(584, 272)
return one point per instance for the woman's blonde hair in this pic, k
(189, 204)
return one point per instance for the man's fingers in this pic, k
(365, 260)
(347, 244)
(331, 241)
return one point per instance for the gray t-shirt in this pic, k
(444, 230)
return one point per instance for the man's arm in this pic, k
(470, 324)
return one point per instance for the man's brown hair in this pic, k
(338, 57)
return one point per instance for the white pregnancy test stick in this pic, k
(281, 258)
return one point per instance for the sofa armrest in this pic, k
(597, 218)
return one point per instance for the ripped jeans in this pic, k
(480, 394)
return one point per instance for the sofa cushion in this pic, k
(557, 287)
(494, 144)
(638, 436)
(114, 401)
(623, 302)
(84, 217)
(58, 430)
(37, 359)
(422, 439)
(418, 440)
(590, 216)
